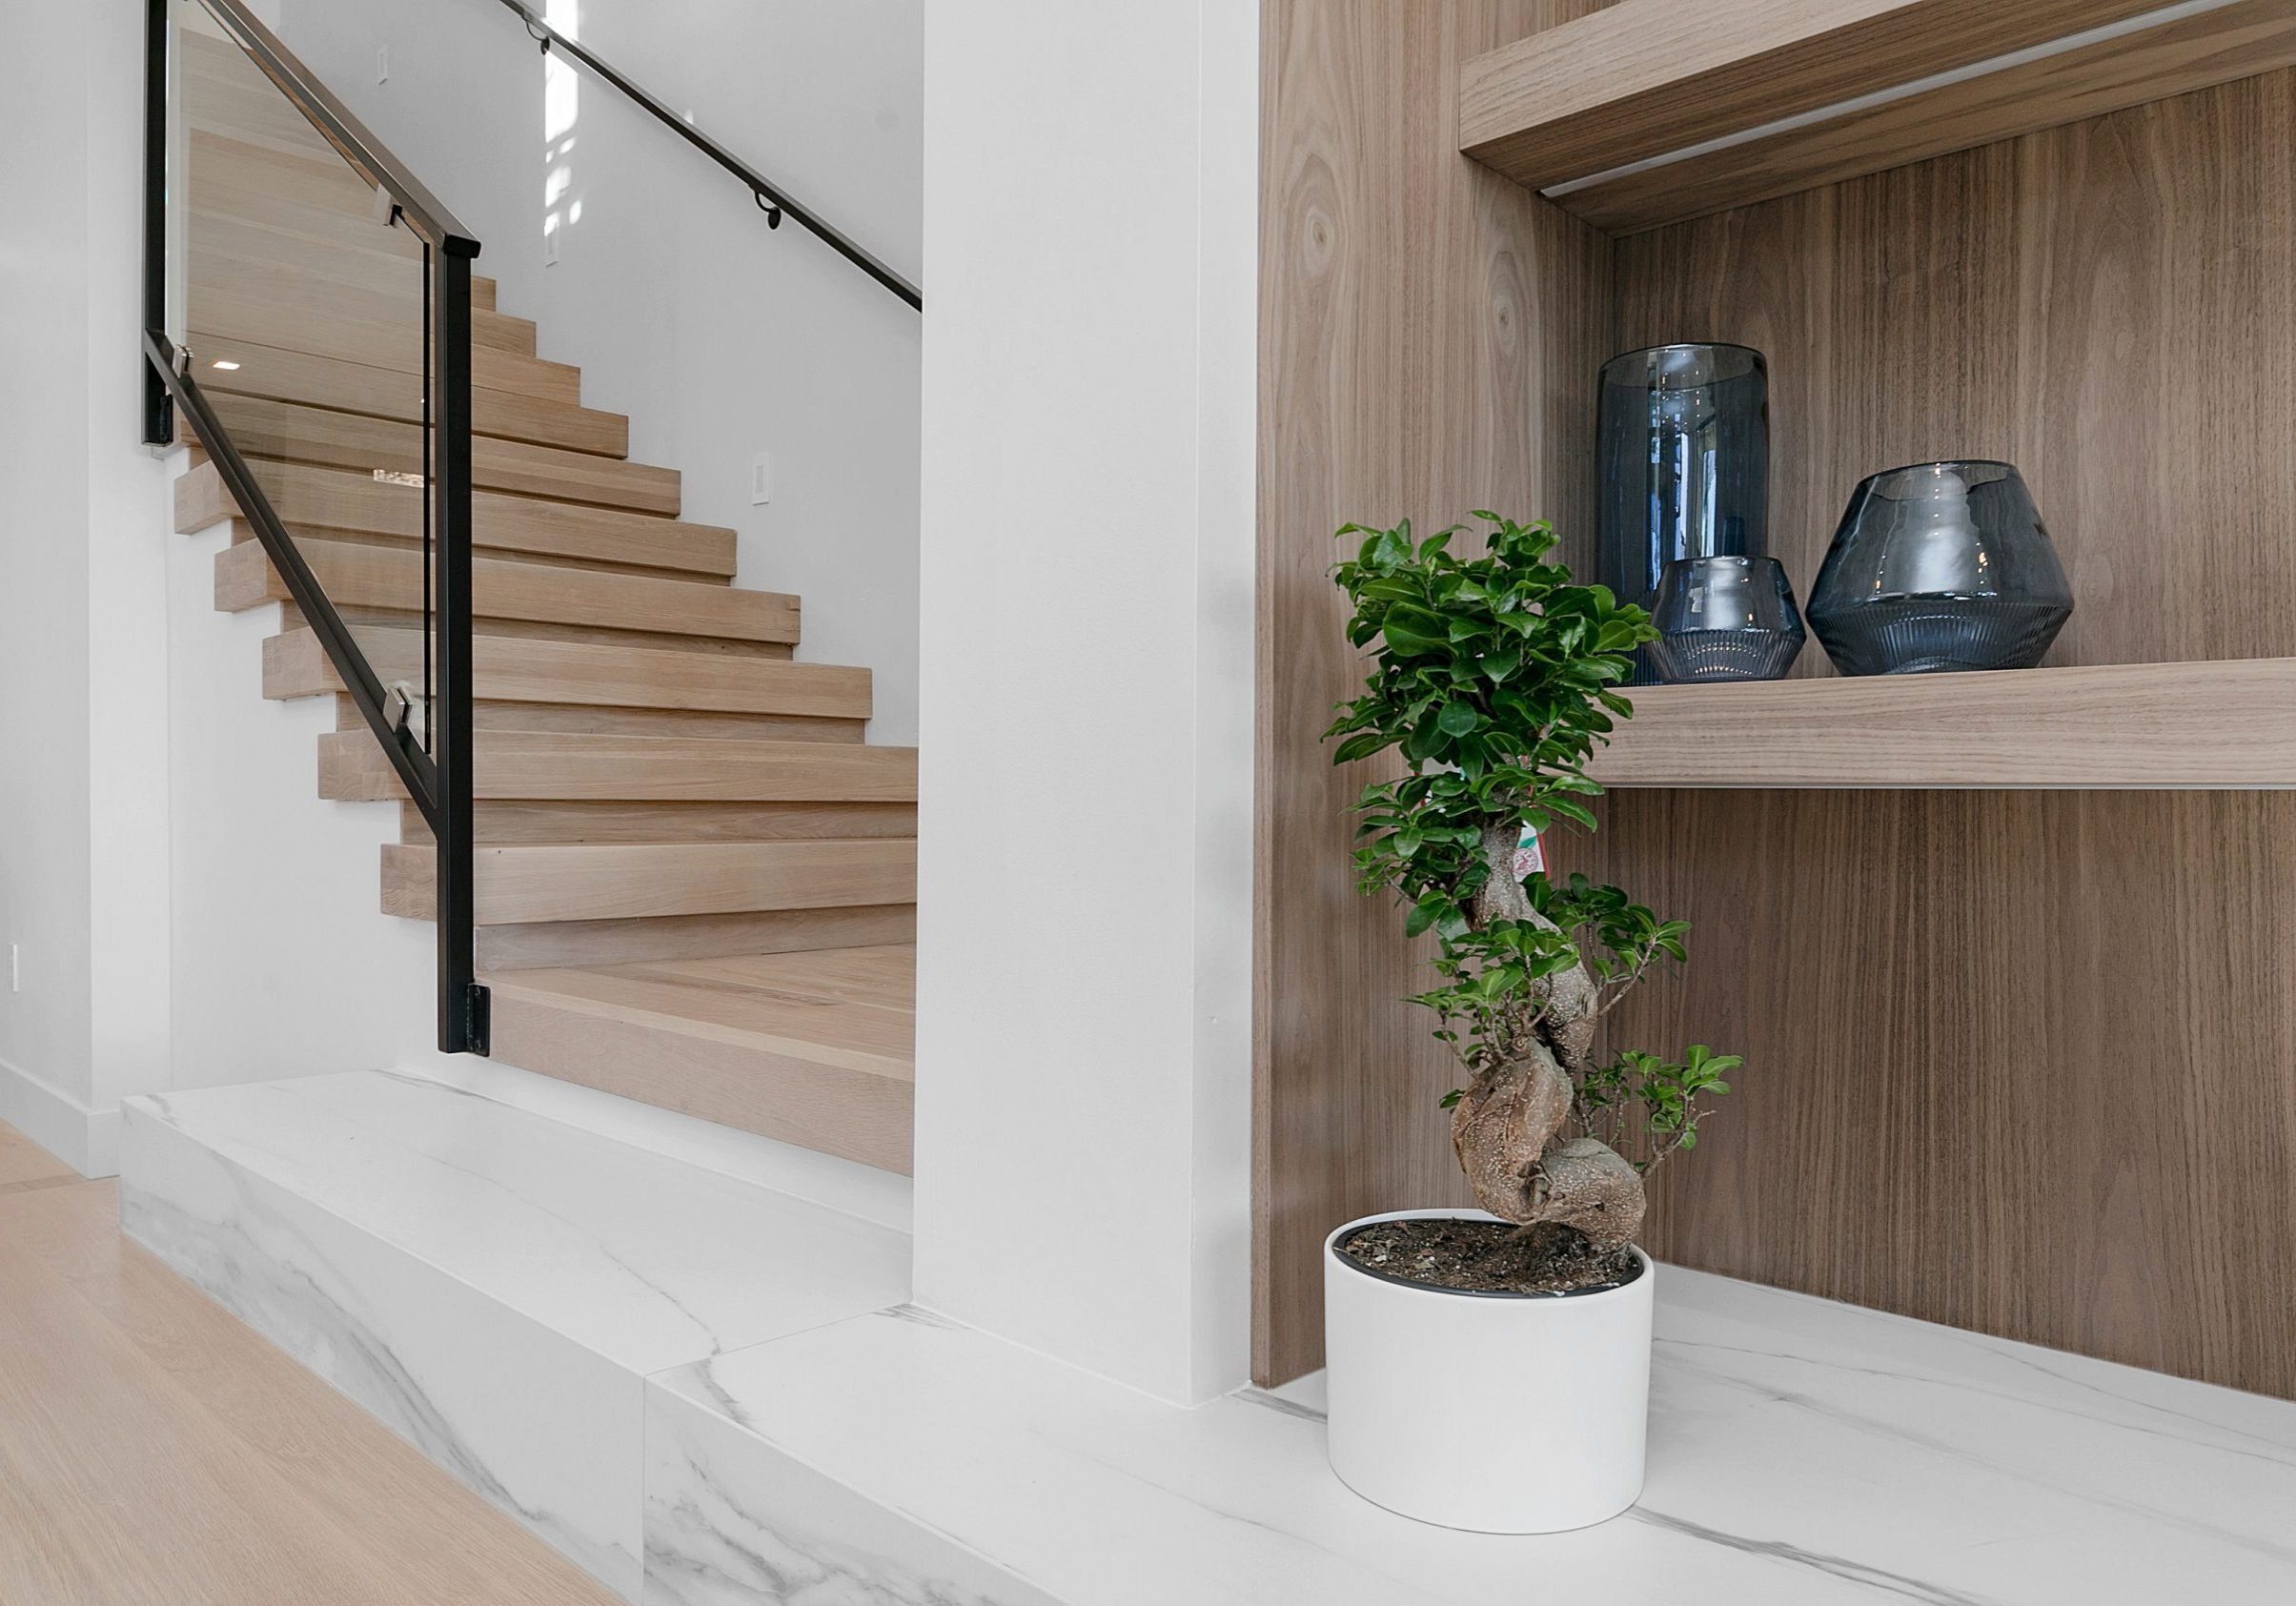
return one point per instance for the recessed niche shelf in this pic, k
(1652, 111)
(2225, 725)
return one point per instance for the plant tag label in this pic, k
(1529, 855)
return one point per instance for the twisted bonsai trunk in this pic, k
(1507, 1127)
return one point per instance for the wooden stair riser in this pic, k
(507, 669)
(392, 578)
(351, 387)
(555, 768)
(573, 719)
(331, 252)
(309, 497)
(269, 305)
(848, 1113)
(506, 823)
(640, 880)
(617, 941)
(290, 432)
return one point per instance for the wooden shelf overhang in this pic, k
(2224, 725)
(1653, 111)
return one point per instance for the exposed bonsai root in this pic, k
(1591, 1186)
(1501, 1128)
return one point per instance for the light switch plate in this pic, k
(383, 64)
(761, 479)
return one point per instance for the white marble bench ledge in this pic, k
(1801, 1452)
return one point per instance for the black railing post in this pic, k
(159, 409)
(462, 1001)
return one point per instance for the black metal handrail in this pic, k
(771, 197)
(439, 778)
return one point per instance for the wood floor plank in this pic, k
(155, 1452)
(24, 1164)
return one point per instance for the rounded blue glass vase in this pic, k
(1938, 567)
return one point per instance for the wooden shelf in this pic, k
(1652, 111)
(2227, 724)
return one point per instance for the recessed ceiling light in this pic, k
(226, 364)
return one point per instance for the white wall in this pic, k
(719, 337)
(83, 688)
(1083, 1050)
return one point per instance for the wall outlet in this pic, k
(383, 64)
(761, 479)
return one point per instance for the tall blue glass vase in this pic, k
(1683, 437)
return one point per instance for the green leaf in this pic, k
(1457, 717)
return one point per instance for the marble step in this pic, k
(1802, 1453)
(496, 1286)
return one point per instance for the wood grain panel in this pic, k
(1651, 76)
(2018, 1059)
(1427, 333)
(2191, 52)
(2017, 1062)
(2135, 725)
(2106, 305)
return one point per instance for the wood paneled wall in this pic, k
(2109, 305)
(2025, 1063)
(1427, 332)
(2021, 1061)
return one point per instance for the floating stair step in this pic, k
(309, 497)
(287, 243)
(814, 1048)
(524, 669)
(638, 881)
(552, 945)
(578, 719)
(229, 320)
(491, 1285)
(507, 821)
(262, 428)
(352, 387)
(549, 766)
(250, 297)
(390, 577)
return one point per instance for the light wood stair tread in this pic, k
(386, 578)
(552, 765)
(293, 433)
(516, 668)
(314, 498)
(340, 385)
(632, 881)
(850, 1007)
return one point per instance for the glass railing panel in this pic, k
(305, 309)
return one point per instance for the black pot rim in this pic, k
(1641, 1266)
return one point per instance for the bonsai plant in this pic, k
(1493, 678)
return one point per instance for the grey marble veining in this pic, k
(1802, 1452)
(491, 1285)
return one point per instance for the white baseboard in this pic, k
(83, 1138)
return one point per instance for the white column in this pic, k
(1084, 998)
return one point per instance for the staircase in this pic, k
(696, 880)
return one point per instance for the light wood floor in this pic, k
(153, 1452)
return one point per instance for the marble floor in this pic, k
(708, 1393)
(155, 1452)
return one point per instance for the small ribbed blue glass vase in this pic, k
(1940, 567)
(1683, 442)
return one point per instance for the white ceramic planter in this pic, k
(1504, 1413)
